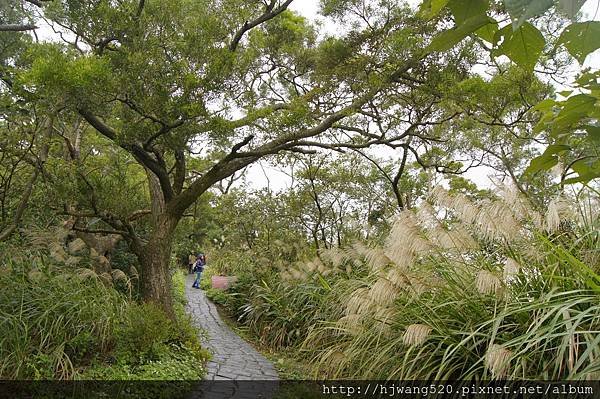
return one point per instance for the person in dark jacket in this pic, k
(198, 269)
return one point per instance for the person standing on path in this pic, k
(191, 262)
(198, 268)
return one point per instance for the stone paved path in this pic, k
(233, 358)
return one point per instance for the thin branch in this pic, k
(100, 231)
(138, 214)
(270, 13)
(4, 234)
(17, 27)
(38, 3)
(138, 152)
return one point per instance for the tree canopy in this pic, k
(139, 108)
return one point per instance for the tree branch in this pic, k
(100, 231)
(38, 3)
(138, 152)
(17, 27)
(270, 13)
(138, 214)
(179, 177)
(4, 234)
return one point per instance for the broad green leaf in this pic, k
(522, 46)
(488, 32)
(463, 10)
(582, 179)
(570, 7)
(593, 133)
(431, 8)
(581, 38)
(544, 105)
(586, 169)
(521, 10)
(542, 162)
(573, 110)
(449, 38)
(547, 160)
(556, 148)
(565, 93)
(589, 80)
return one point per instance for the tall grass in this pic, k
(460, 289)
(61, 323)
(50, 323)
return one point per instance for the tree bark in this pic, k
(7, 232)
(154, 258)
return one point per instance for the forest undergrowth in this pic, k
(70, 323)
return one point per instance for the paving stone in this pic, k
(233, 358)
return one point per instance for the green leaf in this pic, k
(593, 133)
(521, 10)
(542, 162)
(581, 38)
(581, 179)
(449, 38)
(573, 110)
(522, 46)
(586, 169)
(544, 105)
(463, 10)
(547, 160)
(556, 148)
(431, 8)
(488, 32)
(588, 80)
(570, 7)
(565, 93)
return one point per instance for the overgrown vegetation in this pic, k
(459, 290)
(72, 324)
(128, 133)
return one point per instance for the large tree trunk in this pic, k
(154, 259)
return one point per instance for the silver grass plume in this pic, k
(405, 240)
(496, 221)
(85, 273)
(376, 258)
(497, 359)
(106, 279)
(511, 269)
(416, 334)
(359, 302)
(397, 277)
(559, 210)
(458, 203)
(353, 323)
(361, 249)
(383, 292)
(333, 255)
(119, 276)
(488, 283)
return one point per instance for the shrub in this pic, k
(142, 334)
(495, 290)
(217, 296)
